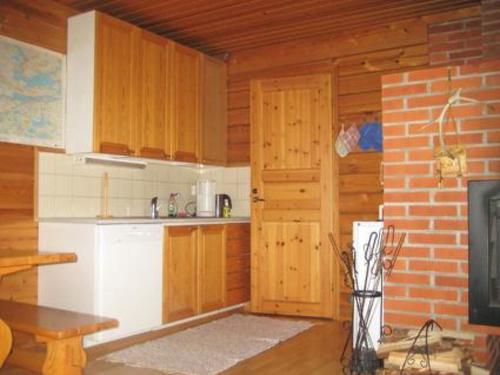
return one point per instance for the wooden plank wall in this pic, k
(39, 22)
(43, 23)
(18, 230)
(357, 61)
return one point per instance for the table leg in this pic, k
(64, 357)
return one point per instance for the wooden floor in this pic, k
(315, 351)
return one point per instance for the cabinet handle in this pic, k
(115, 148)
(154, 153)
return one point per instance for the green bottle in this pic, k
(172, 205)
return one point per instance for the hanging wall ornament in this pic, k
(451, 160)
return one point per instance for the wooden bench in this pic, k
(62, 331)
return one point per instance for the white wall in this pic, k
(69, 189)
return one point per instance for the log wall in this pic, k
(357, 61)
(43, 23)
(18, 229)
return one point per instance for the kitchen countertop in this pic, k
(146, 220)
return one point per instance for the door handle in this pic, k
(255, 196)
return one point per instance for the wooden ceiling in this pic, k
(225, 26)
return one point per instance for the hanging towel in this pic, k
(346, 140)
(340, 146)
(351, 137)
(371, 136)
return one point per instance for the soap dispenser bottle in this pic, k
(172, 205)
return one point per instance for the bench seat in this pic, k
(61, 330)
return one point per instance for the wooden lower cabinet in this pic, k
(180, 273)
(237, 263)
(205, 267)
(212, 267)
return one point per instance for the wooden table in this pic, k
(20, 260)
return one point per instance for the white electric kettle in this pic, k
(205, 198)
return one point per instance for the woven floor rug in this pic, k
(210, 348)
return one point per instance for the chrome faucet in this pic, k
(155, 208)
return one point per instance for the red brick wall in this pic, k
(455, 42)
(466, 40)
(431, 275)
(490, 17)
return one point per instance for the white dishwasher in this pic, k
(118, 273)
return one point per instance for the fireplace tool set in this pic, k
(364, 271)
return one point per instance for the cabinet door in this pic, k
(153, 127)
(212, 261)
(185, 102)
(214, 112)
(237, 263)
(180, 269)
(114, 106)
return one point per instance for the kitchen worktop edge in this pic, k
(146, 220)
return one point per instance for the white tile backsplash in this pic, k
(63, 185)
(46, 206)
(70, 189)
(46, 162)
(236, 183)
(65, 206)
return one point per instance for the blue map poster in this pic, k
(31, 94)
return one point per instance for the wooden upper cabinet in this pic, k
(214, 111)
(180, 273)
(185, 102)
(212, 266)
(153, 73)
(114, 101)
(132, 92)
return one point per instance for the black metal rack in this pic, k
(380, 255)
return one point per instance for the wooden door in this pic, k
(180, 269)
(214, 112)
(153, 127)
(293, 173)
(212, 267)
(115, 103)
(185, 102)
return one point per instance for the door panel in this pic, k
(293, 171)
(214, 112)
(180, 270)
(290, 269)
(153, 127)
(115, 103)
(185, 102)
(212, 260)
(291, 134)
